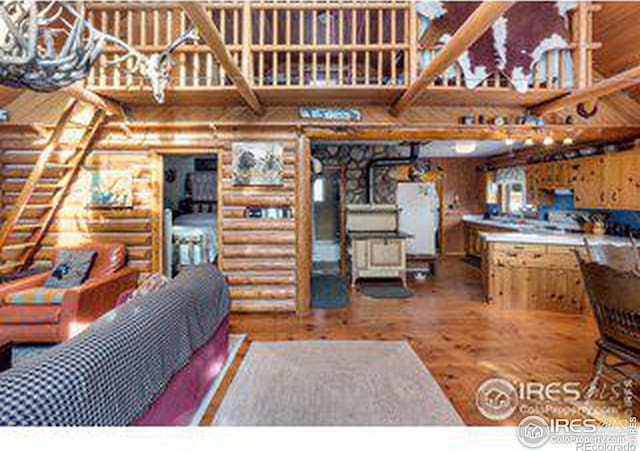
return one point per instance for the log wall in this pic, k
(257, 255)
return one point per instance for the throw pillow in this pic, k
(71, 270)
(152, 283)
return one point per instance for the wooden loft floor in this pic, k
(459, 338)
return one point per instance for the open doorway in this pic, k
(377, 215)
(189, 211)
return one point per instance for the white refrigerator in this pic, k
(419, 216)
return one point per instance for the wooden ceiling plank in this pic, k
(469, 32)
(202, 20)
(623, 80)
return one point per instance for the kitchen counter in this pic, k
(526, 225)
(558, 239)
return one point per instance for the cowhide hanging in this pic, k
(515, 43)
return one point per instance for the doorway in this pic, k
(186, 210)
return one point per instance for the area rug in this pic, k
(329, 291)
(386, 291)
(334, 383)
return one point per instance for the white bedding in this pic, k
(199, 223)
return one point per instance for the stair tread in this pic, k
(27, 226)
(11, 247)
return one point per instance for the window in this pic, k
(511, 190)
(512, 197)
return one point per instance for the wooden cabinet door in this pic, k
(622, 180)
(587, 182)
(532, 173)
(561, 174)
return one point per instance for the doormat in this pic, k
(329, 291)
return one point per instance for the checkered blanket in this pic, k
(113, 371)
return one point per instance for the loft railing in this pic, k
(294, 44)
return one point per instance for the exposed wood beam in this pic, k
(623, 80)
(468, 33)
(79, 92)
(202, 20)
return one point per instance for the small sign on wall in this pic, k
(331, 114)
(4, 115)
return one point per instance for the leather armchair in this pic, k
(53, 323)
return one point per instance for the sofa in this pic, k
(76, 307)
(150, 361)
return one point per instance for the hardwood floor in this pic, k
(459, 338)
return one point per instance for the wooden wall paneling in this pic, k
(258, 255)
(75, 222)
(463, 189)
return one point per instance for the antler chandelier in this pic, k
(48, 48)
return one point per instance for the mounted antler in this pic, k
(54, 47)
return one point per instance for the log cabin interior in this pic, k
(271, 200)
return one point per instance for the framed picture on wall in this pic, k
(111, 189)
(257, 163)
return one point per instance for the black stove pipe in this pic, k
(386, 162)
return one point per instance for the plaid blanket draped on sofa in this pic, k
(113, 371)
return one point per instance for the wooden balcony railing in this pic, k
(293, 44)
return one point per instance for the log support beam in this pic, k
(209, 32)
(470, 31)
(591, 93)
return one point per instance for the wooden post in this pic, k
(580, 23)
(247, 37)
(413, 42)
(303, 226)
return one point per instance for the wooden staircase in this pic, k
(27, 221)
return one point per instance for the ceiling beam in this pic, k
(79, 92)
(623, 80)
(469, 32)
(209, 32)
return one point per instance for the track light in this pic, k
(567, 141)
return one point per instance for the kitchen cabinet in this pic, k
(522, 276)
(542, 178)
(622, 181)
(473, 244)
(587, 181)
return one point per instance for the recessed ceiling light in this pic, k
(528, 142)
(567, 141)
(547, 141)
(509, 141)
(465, 147)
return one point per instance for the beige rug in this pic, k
(334, 383)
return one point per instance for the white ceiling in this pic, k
(445, 149)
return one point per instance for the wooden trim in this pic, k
(210, 33)
(469, 32)
(303, 226)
